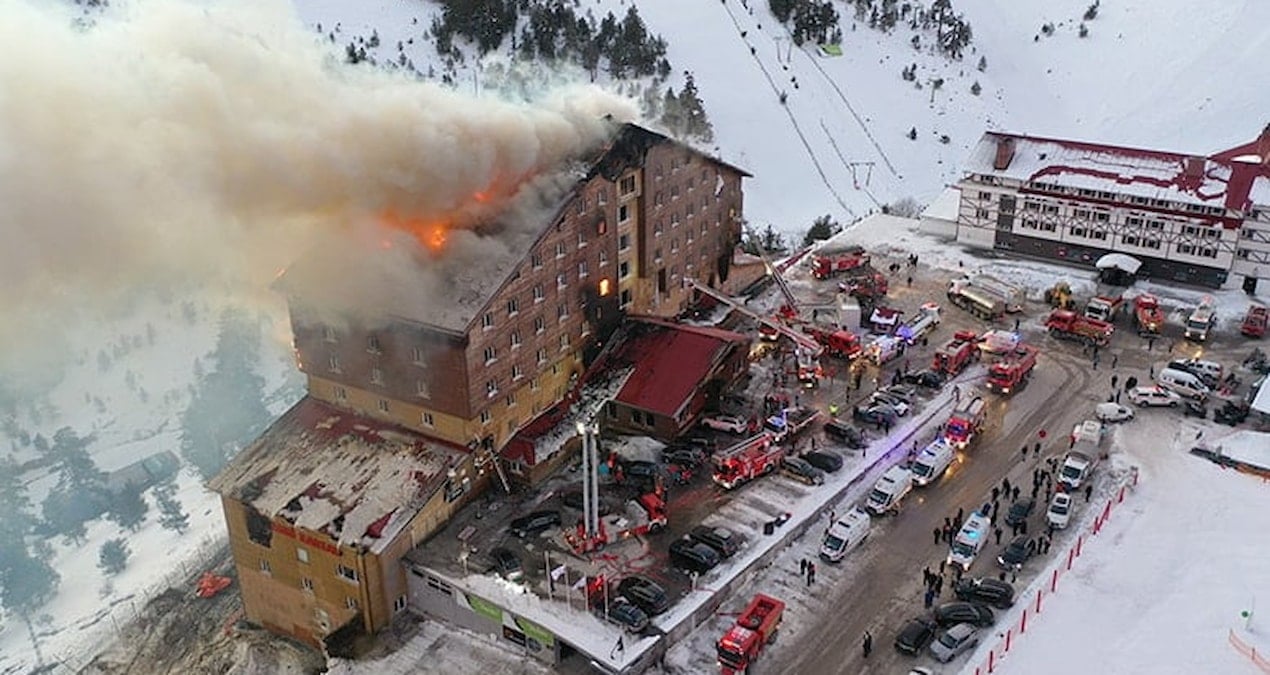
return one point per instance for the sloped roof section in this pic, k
(669, 361)
(356, 479)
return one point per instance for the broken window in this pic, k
(259, 528)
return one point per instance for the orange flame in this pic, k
(432, 234)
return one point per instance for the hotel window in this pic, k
(533, 384)
(416, 354)
(581, 239)
(491, 388)
(623, 213)
(626, 186)
(485, 417)
(341, 394)
(542, 356)
(264, 566)
(517, 372)
(539, 325)
(562, 311)
(1133, 221)
(348, 573)
(1101, 217)
(491, 354)
(372, 344)
(302, 555)
(658, 198)
(334, 362)
(350, 603)
(306, 584)
(674, 192)
(516, 339)
(1129, 240)
(1186, 248)
(583, 270)
(624, 270)
(376, 375)
(383, 405)
(1031, 206)
(536, 261)
(562, 280)
(604, 258)
(985, 195)
(487, 321)
(1078, 231)
(399, 604)
(602, 196)
(328, 334)
(674, 219)
(602, 227)
(560, 249)
(421, 389)
(624, 242)
(1050, 208)
(538, 294)
(511, 400)
(981, 214)
(1083, 214)
(1151, 243)
(564, 341)
(513, 307)
(427, 419)
(658, 227)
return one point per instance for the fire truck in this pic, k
(1014, 370)
(965, 422)
(1254, 324)
(866, 284)
(806, 348)
(1202, 320)
(884, 348)
(841, 343)
(953, 356)
(1065, 324)
(827, 262)
(747, 460)
(644, 515)
(1105, 306)
(755, 628)
(1148, 318)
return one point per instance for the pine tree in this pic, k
(113, 557)
(128, 508)
(1084, 30)
(171, 516)
(912, 134)
(983, 63)
(696, 124)
(975, 88)
(822, 228)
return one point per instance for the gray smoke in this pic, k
(171, 141)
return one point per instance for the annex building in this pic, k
(1201, 220)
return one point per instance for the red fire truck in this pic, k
(842, 343)
(1011, 372)
(644, 515)
(1068, 325)
(1147, 316)
(953, 356)
(828, 262)
(1254, 324)
(965, 422)
(755, 629)
(747, 460)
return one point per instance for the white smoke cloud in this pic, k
(174, 141)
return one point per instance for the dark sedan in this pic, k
(534, 523)
(721, 539)
(924, 378)
(1019, 511)
(850, 436)
(825, 461)
(1016, 553)
(915, 635)
(992, 592)
(953, 613)
(645, 593)
(877, 414)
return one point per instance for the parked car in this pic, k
(850, 436)
(824, 460)
(877, 413)
(884, 397)
(924, 378)
(534, 523)
(991, 592)
(639, 472)
(693, 556)
(1112, 412)
(1195, 409)
(645, 593)
(1144, 397)
(721, 539)
(1016, 553)
(506, 564)
(1019, 511)
(728, 423)
(802, 471)
(1060, 511)
(954, 641)
(1231, 413)
(683, 456)
(959, 611)
(915, 635)
(627, 615)
(903, 392)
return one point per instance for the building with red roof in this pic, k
(672, 372)
(1202, 220)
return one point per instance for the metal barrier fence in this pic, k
(1248, 651)
(1034, 606)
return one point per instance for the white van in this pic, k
(847, 533)
(889, 490)
(931, 462)
(1210, 372)
(1184, 383)
(1089, 431)
(970, 540)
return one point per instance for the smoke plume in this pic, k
(169, 141)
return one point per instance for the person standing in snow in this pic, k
(867, 644)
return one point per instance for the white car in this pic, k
(1154, 396)
(1113, 412)
(728, 423)
(896, 401)
(1060, 510)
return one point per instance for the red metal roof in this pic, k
(670, 360)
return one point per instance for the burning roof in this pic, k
(356, 479)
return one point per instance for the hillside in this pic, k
(839, 143)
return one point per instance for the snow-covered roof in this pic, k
(945, 205)
(1137, 172)
(1261, 402)
(356, 479)
(1119, 261)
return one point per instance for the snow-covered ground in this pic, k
(1169, 576)
(152, 349)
